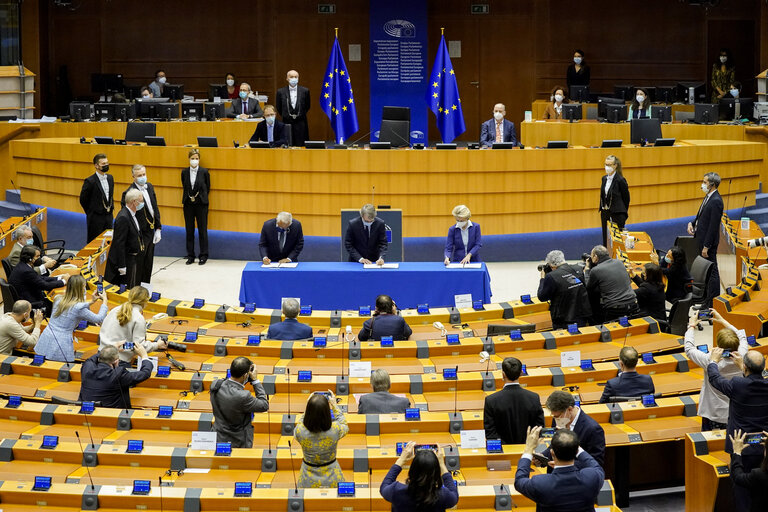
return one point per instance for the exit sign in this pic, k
(479, 8)
(326, 8)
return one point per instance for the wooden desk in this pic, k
(708, 484)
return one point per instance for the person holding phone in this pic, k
(105, 380)
(385, 322)
(319, 431)
(755, 481)
(429, 486)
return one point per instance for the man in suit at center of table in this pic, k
(271, 130)
(705, 228)
(96, 198)
(127, 243)
(511, 411)
(567, 415)
(246, 106)
(281, 240)
(381, 401)
(289, 329)
(366, 237)
(498, 129)
(149, 222)
(629, 383)
(293, 102)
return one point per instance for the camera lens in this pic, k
(180, 347)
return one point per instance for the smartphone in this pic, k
(100, 287)
(755, 438)
(547, 432)
(128, 345)
(540, 459)
(422, 447)
(726, 353)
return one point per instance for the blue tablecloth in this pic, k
(329, 286)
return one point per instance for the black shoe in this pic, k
(202, 261)
(190, 260)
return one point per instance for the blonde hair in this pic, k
(380, 380)
(137, 296)
(74, 294)
(193, 152)
(462, 212)
(727, 339)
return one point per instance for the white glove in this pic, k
(123, 270)
(158, 236)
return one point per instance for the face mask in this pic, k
(243, 94)
(162, 79)
(704, 188)
(462, 224)
(577, 60)
(608, 169)
(145, 96)
(293, 82)
(735, 93)
(193, 162)
(639, 98)
(367, 224)
(105, 168)
(558, 98)
(561, 422)
(139, 206)
(29, 241)
(498, 116)
(230, 82)
(668, 260)
(141, 181)
(723, 59)
(270, 119)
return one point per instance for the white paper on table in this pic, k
(203, 441)
(270, 265)
(292, 264)
(472, 438)
(463, 300)
(386, 265)
(147, 286)
(360, 369)
(571, 358)
(203, 471)
(465, 265)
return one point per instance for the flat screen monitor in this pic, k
(705, 113)
(691, 92)
(623, 92)
(396, 113)
(132, 92)
(314, 144)
(149, 108)
(731, 109)
(572, 111)
(662, 112)
(154, 141)
(135, 132)
(647, 130)
(217, 91)
(80, 110)
(503, 145)
(114, 111)
(208, 142)
(168, 111)
(666, 94)
(174, 92)
(615, 113)
(612, 143)
(664, 142)
(579, 93)
(106, 82)
(102, 140)
(191, 111)
(602, 105)
(557, 144)
(649, 91)
(214, 111)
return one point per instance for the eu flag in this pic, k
(443, 96)
(336, 99)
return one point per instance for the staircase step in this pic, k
(759, 197)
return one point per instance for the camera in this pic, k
(545, 268)
(179, 347)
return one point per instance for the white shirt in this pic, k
(193, 176)
(608, 182)
(558, 108)
(135, 221)
(294, 93)
(147, 202)
(465, 233)
(573, 423)
(104, 184)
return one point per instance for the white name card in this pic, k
(572, 358)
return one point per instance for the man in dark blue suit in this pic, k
(705, 228)
(271, 130)
(366, 237)
(629, 383)
(105, 380)
(289, 329)
(573, 484)
(385, 322)
(566, 415)
(282, 239)
(498, 129)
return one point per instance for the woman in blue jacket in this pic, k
(464, 240)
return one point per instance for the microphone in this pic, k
(293, 470)
(626, 333)
(88, 469)
(743, 207)
(288, 372)
(343, 338)
(727, 197)
(456, 395)
(357, 140)
(160, 480)
(88, 425)
(485, 356)
(373, 192)
(63, 355)
(269, 430)
(370, 490)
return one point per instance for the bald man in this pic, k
(498, 129)
(292, 103)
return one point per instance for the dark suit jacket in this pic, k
(591, 437)
(488, 132)
(756, 481)
(289, 329)
(707, 223)
(454, 246)
(628, 384)
(572, 488)
(144, 217)
(382, 402)
(92, 196)
(278, 134)
(748, 409)
(650, 299)
(509, 412)
(283, 102)
(102, 383)
(269, 245)
(202, 185)
(30, 285)
(252, 108)
(385, 325)
(617, 199)
(125, 241)
(356, 244)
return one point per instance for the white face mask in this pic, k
(723, 59)
(640, 98)
(193, 162)
(577, 60)
(559, 98)
(162, 79)
(145, 96)
(608, 169)
(462, 223)
(734, 93)
(561, 422)
(230, 82)
(293, 82)
(270, 119)
(498, 116)
(705, 188)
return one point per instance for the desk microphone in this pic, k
(288, 372)
(456, 395)
(160, 481)
(87, 468)
(269, 430)
(370, 490)
(373, 191)
(743, 207)
(293, 470)
(343, 338)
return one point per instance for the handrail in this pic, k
(757, 130)
(18, 131)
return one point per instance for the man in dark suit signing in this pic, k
(573, 484)
(245, 106)
(705, 228)
(282, 239)
(566, 415)
(381, 401)
(629, 383)
(149, 222)
(271, 130)
(96, 198)
(127, 243)
(498, 129)
(293, 102)
(289, 329)
(105, 380)
(511, 411)
(366, 237)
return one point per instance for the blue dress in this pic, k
(56, 342)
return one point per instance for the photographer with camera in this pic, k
(563, 286)
(12, 330)
(610, 290)
(385, 322)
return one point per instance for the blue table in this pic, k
(329, 286)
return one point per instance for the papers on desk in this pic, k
(465, 265)
(472, 438)
(386, 265)
(202, 440)
(292, 264)
(360, 369)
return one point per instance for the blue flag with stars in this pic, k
(336, 100)
(443, 96)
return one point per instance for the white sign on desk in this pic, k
(463, 300)
(571, 358)
(386, 265)
(360, 369)
(203, 440)
(472, 438)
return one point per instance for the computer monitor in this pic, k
(603, 102)
(132, 92)
(644, 130)
(612, 143)
(691, 92)
(149, 108)
(135, 132)
(731, 109)
(615, 113)
(174, 92)
(572, 111)
(192, 111)
(168, 111)
(623, 92)
(705, 113)
(214, 111)
(217, 91)
(154, 141)
(103, 112)
(209, 142)
(106, 82)
(579, 93)
(80, 110)
(666, 94)
(114, 111)
(557, 144)
(662, 112)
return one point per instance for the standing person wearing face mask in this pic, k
(497, 129)
(641, 106)
(149, 222)
(723, 75)
(127, 242)
(232, 91)
(196, 182)
(158, 84)
(578, 73)
(565, 414)
(554, 109)
(96, 198)
(271, 130)
(464, 238)
(293, 102)
(245, 106)
(705, 229)
(614, 196)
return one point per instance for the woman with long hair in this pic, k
(641, 105)
(723, 74)
(674, 268)
(56, 342)
(614, 196)
(319, 431)
(429, 487)
(554, 108)
(650, 292)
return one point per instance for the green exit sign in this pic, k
(479, 8)
(326, 8)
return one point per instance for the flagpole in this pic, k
(337, 32)
(442, 31)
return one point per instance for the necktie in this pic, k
(367, 233)
(498, 132)
(245, 105)
(282, 240)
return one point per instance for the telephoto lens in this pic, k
(179, 347)
(545, 268)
